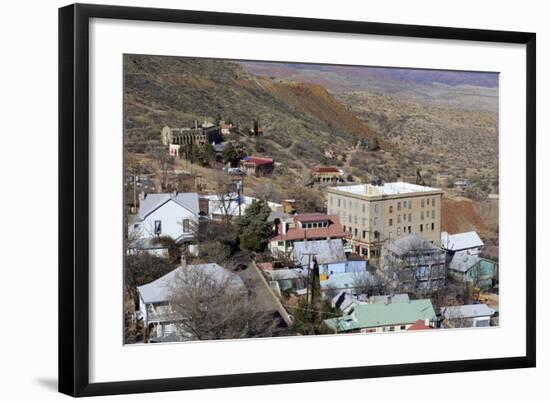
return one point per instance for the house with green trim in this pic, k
(465, 268)
(382, 317)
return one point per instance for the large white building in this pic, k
(376, 214)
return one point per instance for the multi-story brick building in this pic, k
(376, 214)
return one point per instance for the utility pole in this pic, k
(310, 280)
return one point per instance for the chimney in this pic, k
(196, 124)
(183, 261)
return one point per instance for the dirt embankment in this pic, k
(461, 214)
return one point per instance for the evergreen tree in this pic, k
(253, 228)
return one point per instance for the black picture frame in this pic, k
(74, 199)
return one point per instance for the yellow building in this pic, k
(376, 214)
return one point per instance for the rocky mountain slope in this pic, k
(298, 119)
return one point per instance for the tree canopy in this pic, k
(253, 228)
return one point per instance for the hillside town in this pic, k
(214, 250)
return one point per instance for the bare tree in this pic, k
(164, 163)
(363, 283)
(227, 198)
(205, 306)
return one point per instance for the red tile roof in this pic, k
(305, 217)
(326, 169)
(334, 229)
(257, 160)
(420, 325)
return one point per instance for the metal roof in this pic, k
(363, 315)
(187, 200)
(467, 311)
(161, 289)
(463, 261)
(342, 281)
(325, 251)
(411, 242)
(461, 241)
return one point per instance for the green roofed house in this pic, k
(382, 317)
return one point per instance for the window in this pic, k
(422, 215)
(344, 227)
(410, 205)
(391, 222)
(410, 216)
(355, 232)
(185, 225)
(391, 209)
(398, 218)
(390, 234)
(409, 229)
(433, 214)
(338, 202)
(421, 228)
(363, 208)
(398, 205)
(364, 234)
(433, 226)
(433, 201)
(398, 231)
(428, 201)
(355, 219)
(427, 226)
(280, 243)
(422, 203)
(158, 227)
(392, 328)
(402, 327)
(376, 208)
(364, 221)
(349, 219)
(376, 221)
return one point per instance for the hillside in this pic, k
(462, 144)
(298, 120)
(457, 89)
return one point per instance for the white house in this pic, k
(476, 315)
(467, 241)
(175, 215)
(232, 205)
(154, 298)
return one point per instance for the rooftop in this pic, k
(309, 217)
(462, 261)
(420, 325)
(411, 243)
(343, 281)
(334, 230)
(377, 315)
(160, 290)
(257, 160)
(326, 251)
(326, 169)
(460, 241)
(387, 189)
(187, 200)
(466, 311)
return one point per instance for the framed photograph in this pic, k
(251, 199)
